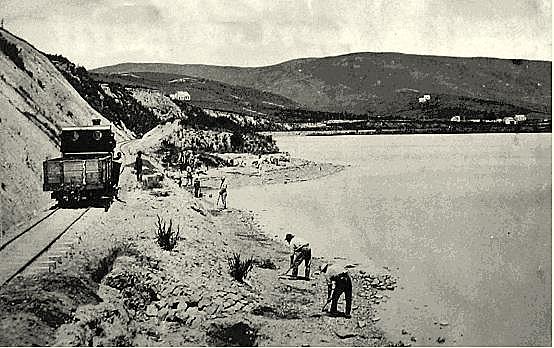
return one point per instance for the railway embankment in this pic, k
(118, 287)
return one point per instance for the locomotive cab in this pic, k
(84, 172)
(93, 140)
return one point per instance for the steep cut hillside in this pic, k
(384, 83)
(206, 93)
(35, 102)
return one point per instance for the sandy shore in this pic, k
(118, 287)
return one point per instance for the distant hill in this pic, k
(205, 93)
(387, 83)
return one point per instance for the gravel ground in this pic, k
(120, 288)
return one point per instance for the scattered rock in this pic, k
(362, 324)
(441, 339)
(404, 332)
(413, 339)
(376, 319)
(443, 323)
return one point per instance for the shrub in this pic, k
(165, 235)
(104, 263)
(11, 50)
(239, 268)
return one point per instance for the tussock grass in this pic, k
(166, 236)
(239, 268)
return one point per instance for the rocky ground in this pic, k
(118, 287)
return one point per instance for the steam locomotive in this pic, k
(86, 171)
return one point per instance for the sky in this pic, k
(95, 33)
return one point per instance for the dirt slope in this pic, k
(36, 101)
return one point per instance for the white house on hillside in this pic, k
(455, 119)
(520, 118)
(180, 95)
(427, 96)
(509, 120)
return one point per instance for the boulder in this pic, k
(151, 310)
(182, 306)
(181, 315)
(167, 314)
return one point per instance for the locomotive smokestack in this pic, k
(96, 122)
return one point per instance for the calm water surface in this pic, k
(463, 220)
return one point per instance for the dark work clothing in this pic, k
(116, 170)
(343, 283)
(303, 254)
(197, 188)
(138, 168)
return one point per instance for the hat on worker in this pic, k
(289, 236)
(323, 267)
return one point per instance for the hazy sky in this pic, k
(95, 33)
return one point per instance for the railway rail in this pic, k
(26, 247)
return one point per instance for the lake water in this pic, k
(464, 221)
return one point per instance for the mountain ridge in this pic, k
(371, 83)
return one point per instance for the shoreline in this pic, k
(134, 293)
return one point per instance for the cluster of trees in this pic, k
(119, 106)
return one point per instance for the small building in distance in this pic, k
(427, 96)
(520, 118)
(180, 95)
(456, 119)
(509, 120)
(422, 100)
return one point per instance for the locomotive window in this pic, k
(75, 136)
(97, 135)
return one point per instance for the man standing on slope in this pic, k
(300, 251)
(338, 281)
(222, 193)
(138, 166)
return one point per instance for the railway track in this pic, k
(26, 247)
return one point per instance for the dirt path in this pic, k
(121, 288)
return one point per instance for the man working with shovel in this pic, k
(338, 281)
(300, 251)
